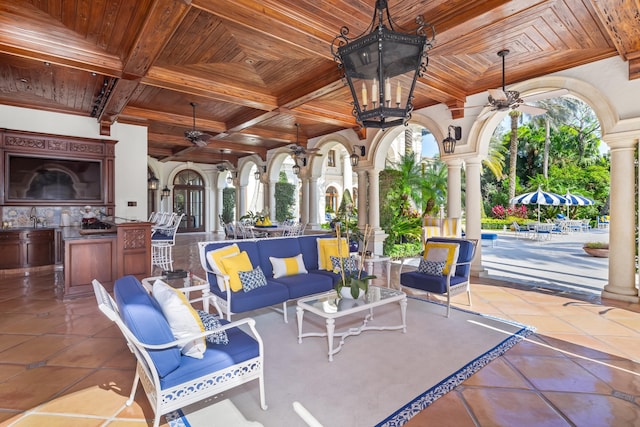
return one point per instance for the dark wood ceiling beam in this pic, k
(30, 33)
(321, 86)
(274, 135)
(338, 118)
(208, 88)
(250, 118)
(160, 24)
(175, 119)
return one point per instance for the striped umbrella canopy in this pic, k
(576, 200)
(539, 197)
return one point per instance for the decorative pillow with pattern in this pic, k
(252, 279)
(349, 264)
(431, 267)
(211, 322)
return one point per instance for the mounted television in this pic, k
(34, 178)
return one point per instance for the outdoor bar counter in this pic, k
(104, 255)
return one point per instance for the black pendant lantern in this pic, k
(381, 68)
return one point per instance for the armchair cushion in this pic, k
(211, 322)
(429, 282)
(183, 320)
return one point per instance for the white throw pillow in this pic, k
(287, 266)
(183, 320)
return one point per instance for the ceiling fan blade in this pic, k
(545, 95)
(486, 114)
(530, 109)
(497, 94)
(469, 107)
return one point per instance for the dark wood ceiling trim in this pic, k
(272, 23)
(342, 118)
(28, 33)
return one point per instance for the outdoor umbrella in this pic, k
(576, 200)
(539, 198)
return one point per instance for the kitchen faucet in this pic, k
(33, 215)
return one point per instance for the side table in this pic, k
(376, 259)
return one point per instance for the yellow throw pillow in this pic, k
(232, 265)
(439, 251)
(328, 248)
(287, 266)
(214, 258)
(183, 320)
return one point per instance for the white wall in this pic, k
(130, 153)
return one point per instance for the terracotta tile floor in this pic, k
(63, 364)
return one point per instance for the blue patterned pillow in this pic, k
(431, 267)
(349, 264)
(252, 279)
(211, 322)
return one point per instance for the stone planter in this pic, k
(597, 252)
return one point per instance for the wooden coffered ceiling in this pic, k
(256, 68)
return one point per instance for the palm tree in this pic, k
(513, 153)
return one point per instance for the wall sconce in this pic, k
(257, 174)
(231, 176)
(449, 143)
(354, 158)
(165, 193)
(152, 183)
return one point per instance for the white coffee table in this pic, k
(329, 307)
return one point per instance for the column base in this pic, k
(619, 297)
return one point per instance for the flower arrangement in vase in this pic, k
(356, 281)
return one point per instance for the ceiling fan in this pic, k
(503, 100)
(298, 151)
(224, 165)
(195, 136)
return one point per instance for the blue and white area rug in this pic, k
(379, 378)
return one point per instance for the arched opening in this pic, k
(188, 199)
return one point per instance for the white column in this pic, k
(622, 272)
(347, 174)
(379, 235)
(218, 208)
(363, 209)
(313, 203)
(473, 224)
(242, 198)
(304, 209)
(454, 188)
(272, 200)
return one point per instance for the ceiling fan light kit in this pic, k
(195, 136)
(387, 63)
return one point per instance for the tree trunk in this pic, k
(547, 142)
(513, 154)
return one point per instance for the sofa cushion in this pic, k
(284, 247)
(306, 284)
(183, 320)
(309, 248)
(241, 347)
(264, 296)
(144, 318)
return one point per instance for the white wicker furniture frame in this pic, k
(174, 398)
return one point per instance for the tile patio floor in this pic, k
(63, 364)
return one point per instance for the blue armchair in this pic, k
(453, 281)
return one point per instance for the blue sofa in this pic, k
(170, 379)
(277, 291)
